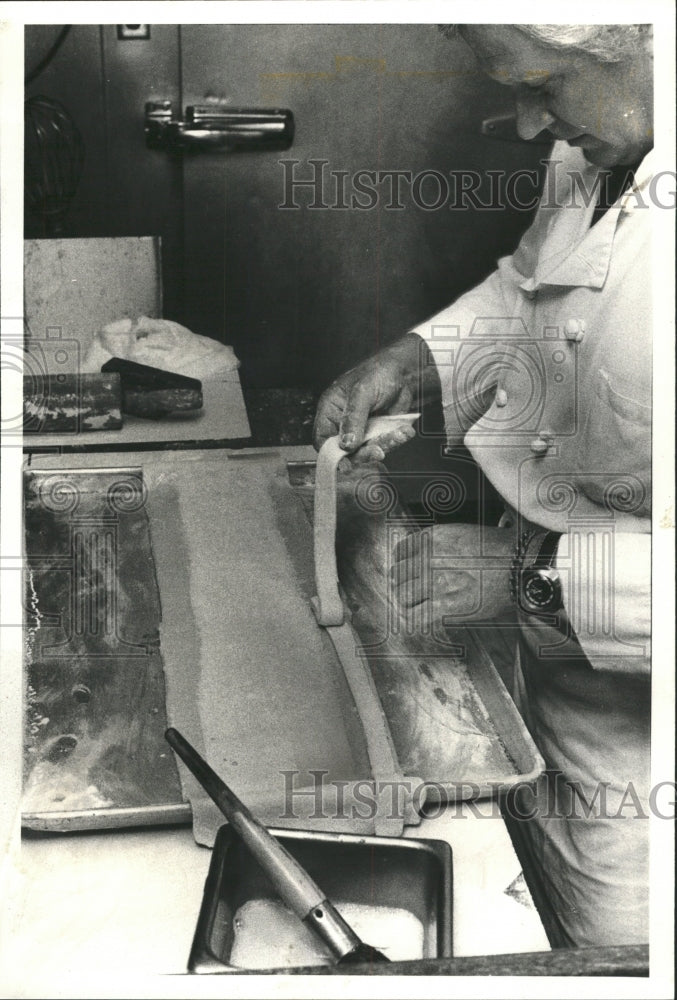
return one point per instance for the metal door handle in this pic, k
(210, 128)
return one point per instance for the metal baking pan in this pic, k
(396, 893)
(95, 751)
(453, 725)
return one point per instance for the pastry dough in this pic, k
(327, 605)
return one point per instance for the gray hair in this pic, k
(605, 42)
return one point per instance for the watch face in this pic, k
(541, 591)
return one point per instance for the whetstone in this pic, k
(154, 393)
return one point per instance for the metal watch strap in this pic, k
(548, 550)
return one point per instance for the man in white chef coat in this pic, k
(544, 372)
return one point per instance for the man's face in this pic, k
(604, 108)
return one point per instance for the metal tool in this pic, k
(295, 886)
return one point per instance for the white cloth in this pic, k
(546, 376)
(511, 340)
(606, 590)
(160, 343)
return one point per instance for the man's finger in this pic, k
(377, 449)
(398, 436)
(322, 429)
(371, 452)
(402, 571)
(411, 593)
(359, 406)
(410, 546)
(330, 410)
(403, 403)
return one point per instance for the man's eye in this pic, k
(542, 82)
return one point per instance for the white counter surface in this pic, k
(85, 908)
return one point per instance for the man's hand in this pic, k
(389, 382)
(457, 570)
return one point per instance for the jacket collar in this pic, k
(574, 253)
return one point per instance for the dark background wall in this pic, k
(125, 190)
(300, 294)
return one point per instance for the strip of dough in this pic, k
(327, 605)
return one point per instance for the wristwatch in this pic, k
(535, 583)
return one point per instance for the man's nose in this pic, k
(532, 115)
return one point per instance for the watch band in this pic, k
(545, 557)
(536, 586)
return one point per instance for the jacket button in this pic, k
(501, 398)
(574, 329)
(539, 446)
(546, 436)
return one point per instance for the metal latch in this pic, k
(214, 128)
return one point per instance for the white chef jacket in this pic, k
(546, 376)
(545, 370)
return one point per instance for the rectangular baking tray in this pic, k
(397, 894)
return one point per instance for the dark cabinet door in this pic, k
(308, 259)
